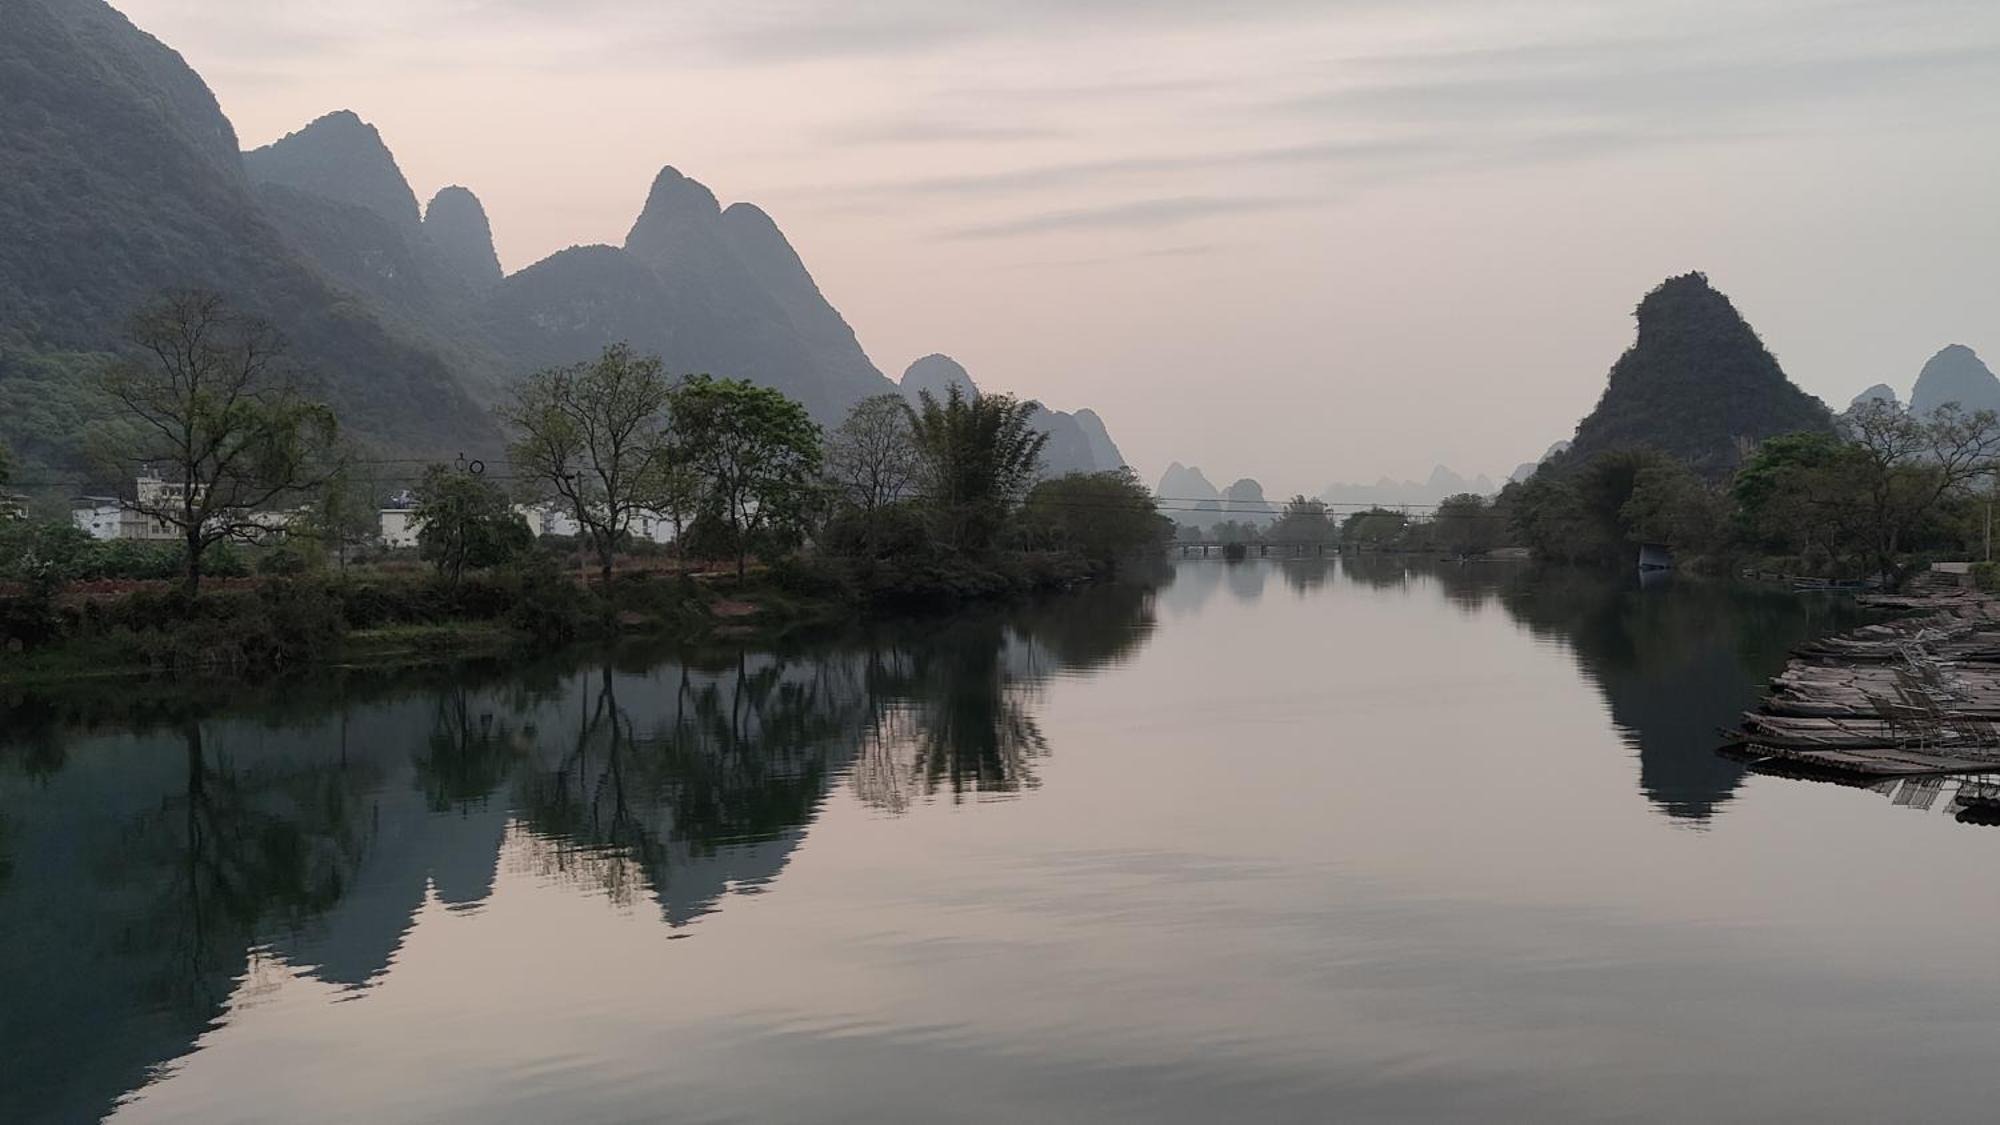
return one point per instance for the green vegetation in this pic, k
(871, 457)
(976, 458)
(1304, 521)
(1600, 512)
(465, 523)
(1100, 516)
(221, 419)
(757, 454)
(1697, 384)
(1871, 501)
(594, 436)
(918, 508)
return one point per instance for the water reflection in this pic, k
(1676, 660)
(159, 849)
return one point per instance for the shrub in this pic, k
(284, 562)
(1986, 576)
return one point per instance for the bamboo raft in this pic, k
(1914, 697)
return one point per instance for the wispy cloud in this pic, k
(1130, 215)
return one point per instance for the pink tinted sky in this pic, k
(1311, 242)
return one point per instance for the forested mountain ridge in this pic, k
(1697, 383)
(120, 176)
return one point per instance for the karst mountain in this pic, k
(123, 178)
(1697, 383)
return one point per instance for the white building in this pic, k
(399, 527)
(108, 517)
(400, 524)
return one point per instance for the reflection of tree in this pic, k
(147, 894)
(742, 756)
(1676, 663)
(1245, 579)
(680, 777)
(1305, 575)
(1373, 570)
(466, 758)
(237, 853)
(961, 717)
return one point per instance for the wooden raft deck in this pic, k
(1869, 761)
(1915, 697)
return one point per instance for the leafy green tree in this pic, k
(345, 515)
(1795, 495)
(1304, 521)
(1237, 531)
(1465, 524)
(465, 523)
(221, 419)
(871, 457)
(594, 436)
(976, 458)
(1375, 529)
(756, 453)
(1670, 504)
(1101, 516)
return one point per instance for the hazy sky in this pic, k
(1297, 241)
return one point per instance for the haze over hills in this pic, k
(1441, 483)
(1201, 503)
(125, 179)
(1077, 442)
(1697, 384)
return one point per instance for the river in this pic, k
(1310, 840)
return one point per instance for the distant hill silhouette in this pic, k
(1078, 443)
(1697, 384)
(1527, 469)
(1879, 392)
(1955, 374)
(1441, 483)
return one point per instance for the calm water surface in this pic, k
(1276, 842)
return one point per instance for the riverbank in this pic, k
(255, 628)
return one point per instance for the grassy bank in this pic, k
(255, 628)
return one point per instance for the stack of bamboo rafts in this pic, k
(1915, 696)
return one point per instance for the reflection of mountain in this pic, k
(1676, 664)
(153, 857)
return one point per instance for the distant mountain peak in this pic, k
(1879, 392)
(339, 157)
(936, 373)
(674, 200)
(456, 224)
(1697, 384)
(1955, 374)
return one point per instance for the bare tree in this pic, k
(214, 398)
(871, 457)
(594, 436)
(1905, 467)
